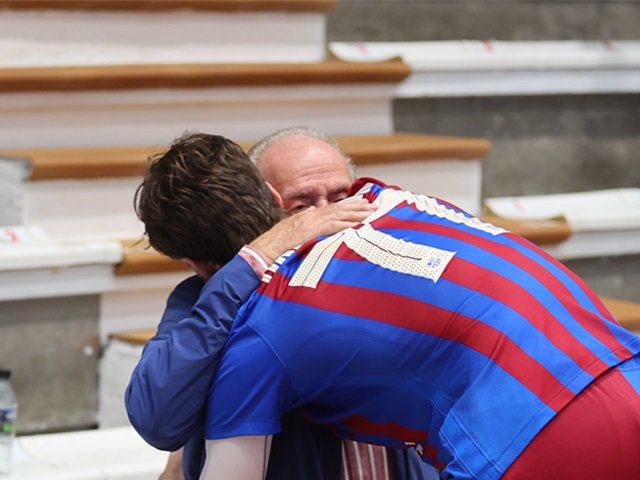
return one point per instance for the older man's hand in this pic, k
(311, 223)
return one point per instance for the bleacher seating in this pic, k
(88, 117)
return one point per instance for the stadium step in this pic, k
(164, 5)
(94, 32)
(626, 312)
(97, 162)
(134, 105)
(136, 77)
(93, 187)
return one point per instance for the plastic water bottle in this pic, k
(8, 412)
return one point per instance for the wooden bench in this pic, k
(626, 312)
(540, 232)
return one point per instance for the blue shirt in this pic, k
(424, 326)
(167, 392)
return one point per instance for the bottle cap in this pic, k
(5, 373)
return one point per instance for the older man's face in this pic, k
(306, 172)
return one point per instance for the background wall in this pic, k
(46, 343)
(413, 20)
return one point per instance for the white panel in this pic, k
(475, 55)
(41, 38)
(81, 210)
(524, 82)
(472, 67)
(54, 255)
(597, 244)
(55, 282)
(456, 181)
(105, 454)
(115, 369)
(157, 117)
(132, 310)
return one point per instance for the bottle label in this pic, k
(7, 419)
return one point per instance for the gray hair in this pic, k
(257, 151)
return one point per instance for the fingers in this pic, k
(313, 222)
(350, 212)
(356, 211)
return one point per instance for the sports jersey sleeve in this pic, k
(251, 390)
(167, 393)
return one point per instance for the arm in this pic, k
(237, 458)
(173, 468)
(168, 388)
(167, 392)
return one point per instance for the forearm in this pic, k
(237, 458)
(167, 392)
(173, 469)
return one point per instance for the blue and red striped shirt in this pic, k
(422, 327)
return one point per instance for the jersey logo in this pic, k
(377, 248)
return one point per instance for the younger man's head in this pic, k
(203, 199)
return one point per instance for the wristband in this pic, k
(254, 259)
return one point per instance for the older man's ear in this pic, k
(276, 196)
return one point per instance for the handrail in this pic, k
(129, 77)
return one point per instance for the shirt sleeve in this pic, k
(167, 393)
(251, 390)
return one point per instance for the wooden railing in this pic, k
(123, 77)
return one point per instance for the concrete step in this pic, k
(165, 5)
(85, 194)
(103, 32)
(472, 68)
(578, 224)
(134, 105)
(105, 454)
(365, 150)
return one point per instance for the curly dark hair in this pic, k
(203, 199)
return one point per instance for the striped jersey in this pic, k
(421, 327)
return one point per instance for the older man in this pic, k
(167, 392)
(423, 326)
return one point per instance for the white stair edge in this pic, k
(30, 38)
(29, 247)
(603, 222)
(610, 243)
(104, 454)
(464, 68)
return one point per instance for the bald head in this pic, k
(305, 170)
